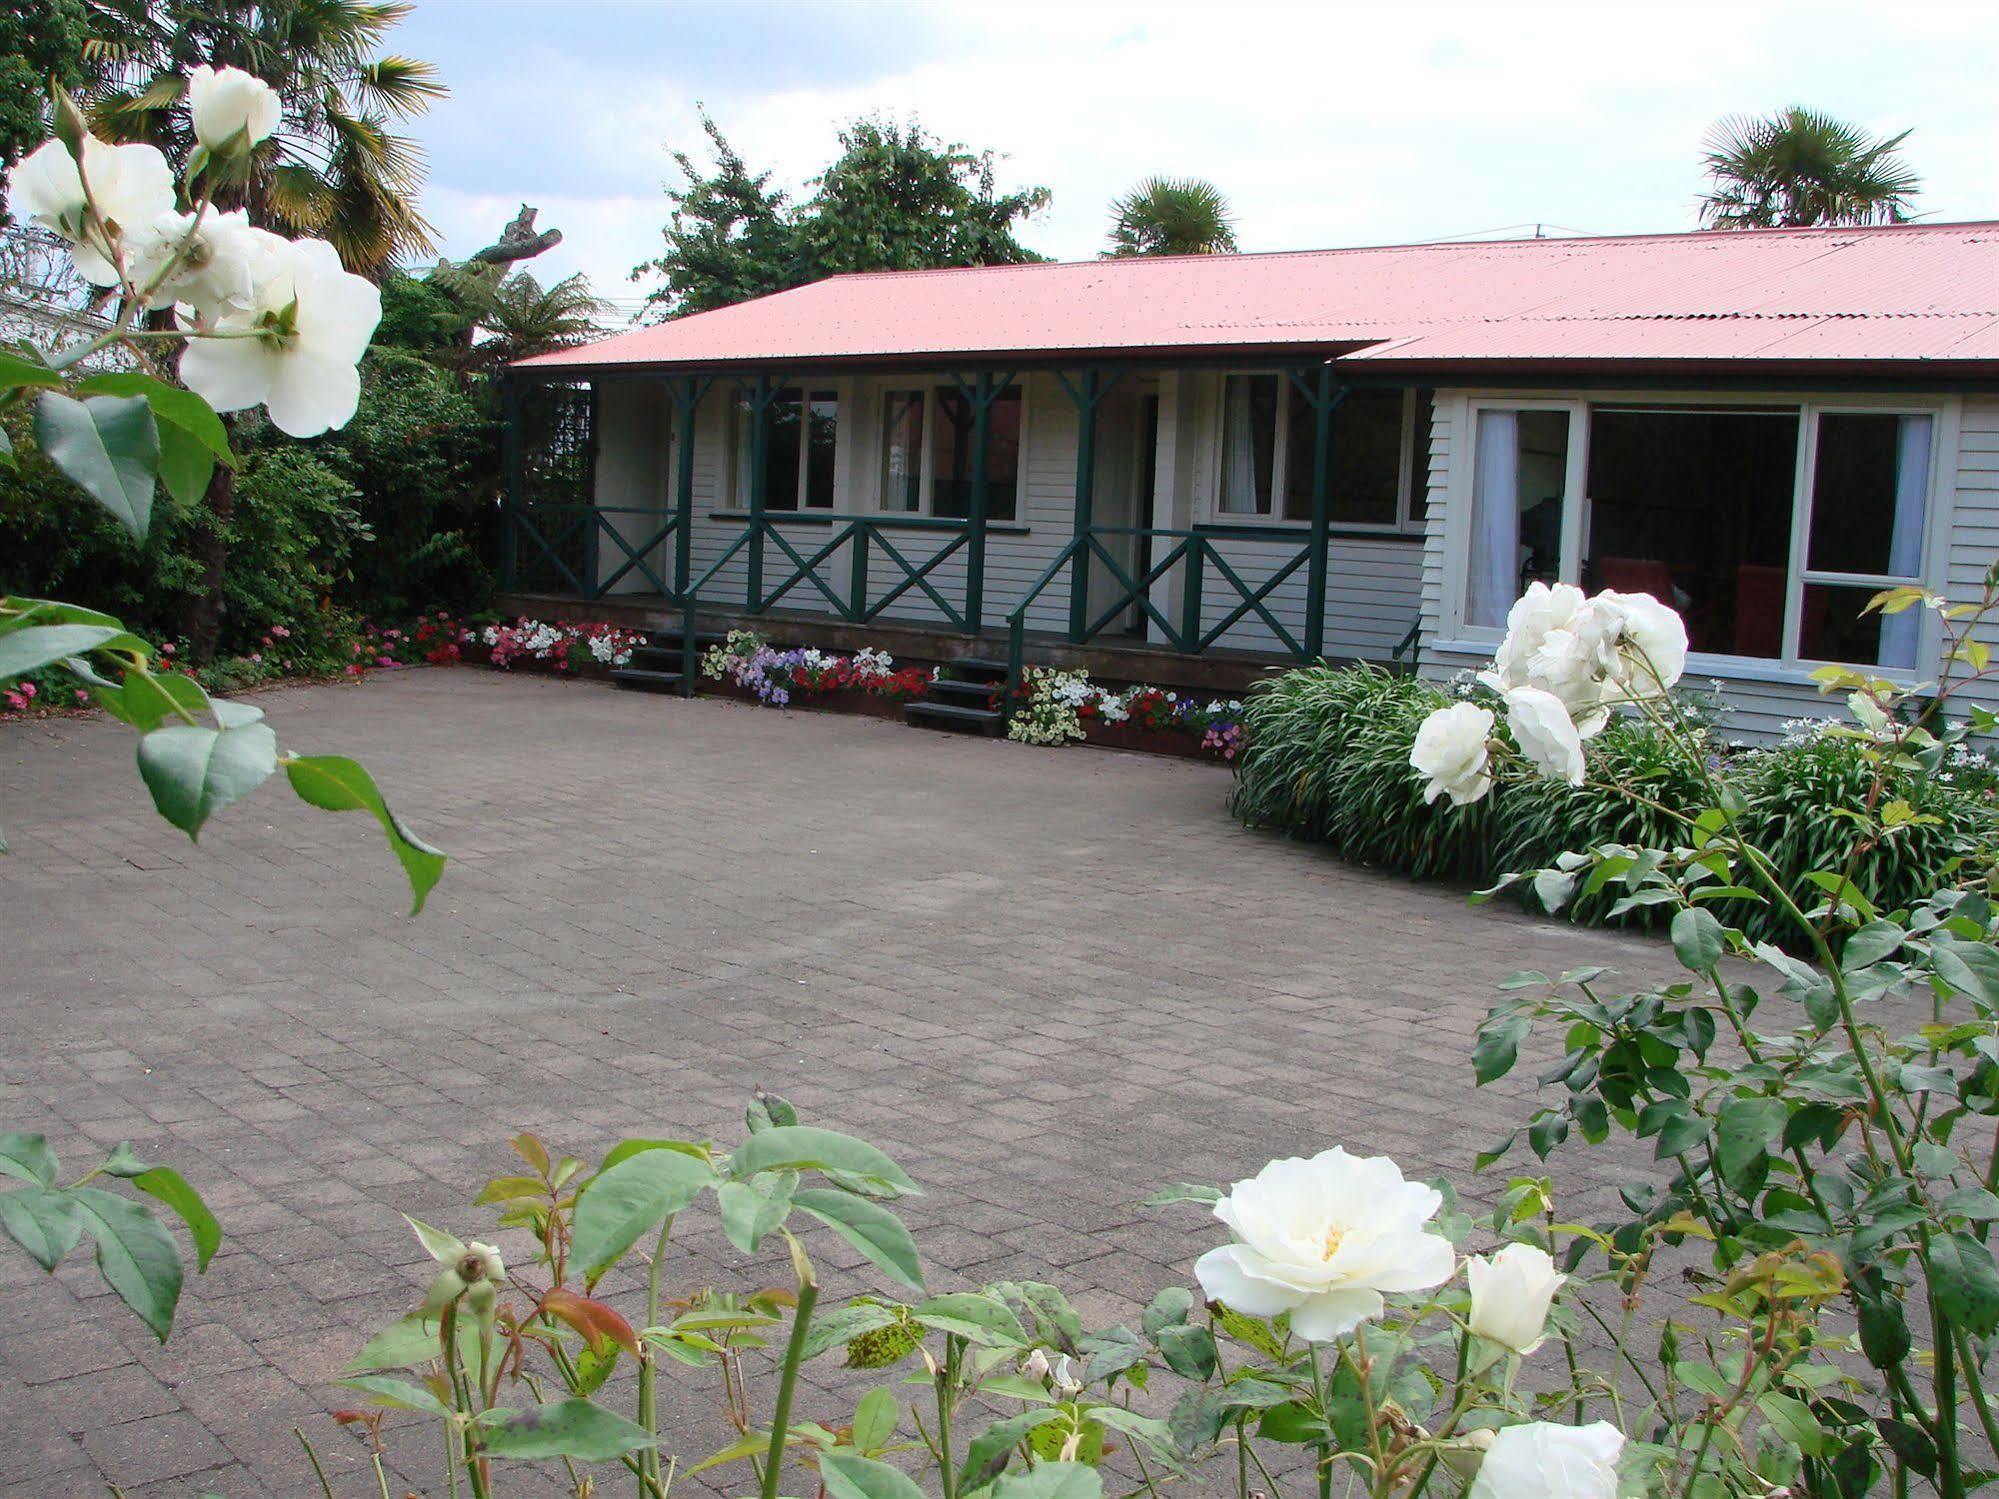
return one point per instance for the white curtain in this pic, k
(1238, 450)
(1495, 511)
(1900, 632)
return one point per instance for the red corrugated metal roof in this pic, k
(1906, 293)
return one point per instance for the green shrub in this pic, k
(1328, 760)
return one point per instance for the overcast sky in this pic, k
(1325, 124)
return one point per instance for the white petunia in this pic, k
(1550, 1460)
(295, 349)
(1545, 733)
(226, 102)
(1511, 1293)
(1325, 1239)
(1451, 749)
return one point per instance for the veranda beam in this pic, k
(514, 462)
(986, 387)
(685, 393)
(1323, 393)
(760, 391)
(1088, 397)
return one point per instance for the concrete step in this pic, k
(644, 679)
(976, 669)
(950, 717)
(965, 694)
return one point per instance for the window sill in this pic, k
(888, 518)
(1237, 528)
(1702, 667)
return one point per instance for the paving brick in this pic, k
(1047, 981)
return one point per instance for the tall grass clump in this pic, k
(1328, 760)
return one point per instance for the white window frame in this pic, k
(931, 386)
(739, 471)
(1408, 521)
(1791, 666)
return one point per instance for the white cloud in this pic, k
(1324, 124)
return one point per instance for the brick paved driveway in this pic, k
(1045, 981)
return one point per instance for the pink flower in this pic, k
(83, 694)
(256, 658)
(28, 689)
(281, 632)
(385, 660)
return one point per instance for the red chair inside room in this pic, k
(1759, 611)
(1636, 575)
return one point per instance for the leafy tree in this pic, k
(1172, 216)
(39, 40)
(1798, 168)
(897, 198)
(730, 237)
(422, 317)
(335, 168)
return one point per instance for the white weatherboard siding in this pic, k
(1373, 582)
(1963, 544)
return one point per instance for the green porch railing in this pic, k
(1200, 566)
(566, 543)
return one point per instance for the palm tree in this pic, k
(518, 315)
(1172, 216)
(1798, 168)
(336, 168)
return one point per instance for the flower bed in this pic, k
(559, 647)
(333, 644)
(868, 681)
(1060, 707)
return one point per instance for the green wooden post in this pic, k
(1190, 595)
(1325, 399)
(686, 395)
(857, 576)
(975, 551)
(1087, 401)
(593, 572)
(514, 460)
(985, 389)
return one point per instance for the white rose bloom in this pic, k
(1547, 1460)
(1324, 1239)
(1510, 1296)
(1546, 734)
(224, 101)
(131, 187)
(220, 264)
(1648, 639)
(1451, 750)
(312, 322)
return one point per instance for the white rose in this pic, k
(1510, 1296)
(1546, 734)
(1537, 613)
(221, 260)
(224, 101)
(1648, 639)
(1548, 1460)
(308, 326)
(1451, 750)
(1324, 1239)
(130, 186)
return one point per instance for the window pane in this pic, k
(902, 450)
(781, 451)
(1367, 458)
(952, 455)
(1868, 493)
(1831, 627)
(822, 436)
(1249, 443)
(1694, 508)
(1419, 454)
(1520, 468)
